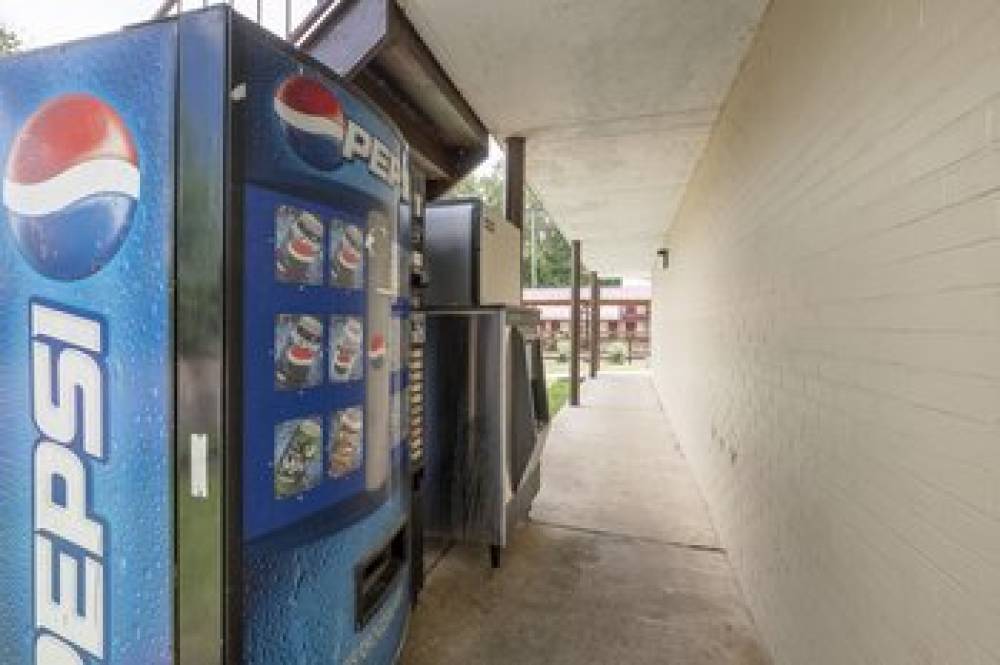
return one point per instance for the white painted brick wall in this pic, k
(827, 338)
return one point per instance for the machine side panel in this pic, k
(202, 105)
(86, 383)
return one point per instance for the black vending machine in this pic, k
(485, 407)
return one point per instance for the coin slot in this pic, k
(374, 577)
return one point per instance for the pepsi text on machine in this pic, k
(68, 375)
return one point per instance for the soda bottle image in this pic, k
(291, 473)
(300, 352)
(301, 249)
(346, 349)
(347, 258)
(345, 449)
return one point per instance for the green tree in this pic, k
(8, 40)
(547, 254)
(488, 187)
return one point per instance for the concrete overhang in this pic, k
(374, 45)
(616, 100)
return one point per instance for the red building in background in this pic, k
(624, 312)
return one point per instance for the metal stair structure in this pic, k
(373, 44)
(293, 17)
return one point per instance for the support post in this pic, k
(595, 324)
(514, 193)
(574, 329)
(514, 196)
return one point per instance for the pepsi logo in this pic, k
(312, 120)
(71, 186)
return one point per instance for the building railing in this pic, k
(297, 23)
(626, 335)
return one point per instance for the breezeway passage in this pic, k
(620, 563)
(812, 188)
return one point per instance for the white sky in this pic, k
(44, 22)
(496, 155)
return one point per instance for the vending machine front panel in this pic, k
(323, 503)
(321, 200)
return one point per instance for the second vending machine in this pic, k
(201, 236)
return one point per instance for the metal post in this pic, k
(574, 329)
(595, 324)
(166, 8)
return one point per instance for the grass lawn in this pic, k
(558, 395)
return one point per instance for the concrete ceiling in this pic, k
(616, 99)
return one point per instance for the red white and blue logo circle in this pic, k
(71, 186)
(313, 121)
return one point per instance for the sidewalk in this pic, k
(619, 566)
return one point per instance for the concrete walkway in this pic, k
(619, 566)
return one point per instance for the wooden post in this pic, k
(514, 193)
(574, 329)
(595, 324)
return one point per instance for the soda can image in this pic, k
(346, 441)
(298, 246)
(346, 343)
(300, 357)
(377, 350)
(347, 255)
(298, 463)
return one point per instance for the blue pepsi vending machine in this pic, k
(203, 287)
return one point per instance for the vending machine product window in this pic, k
(312, 346)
